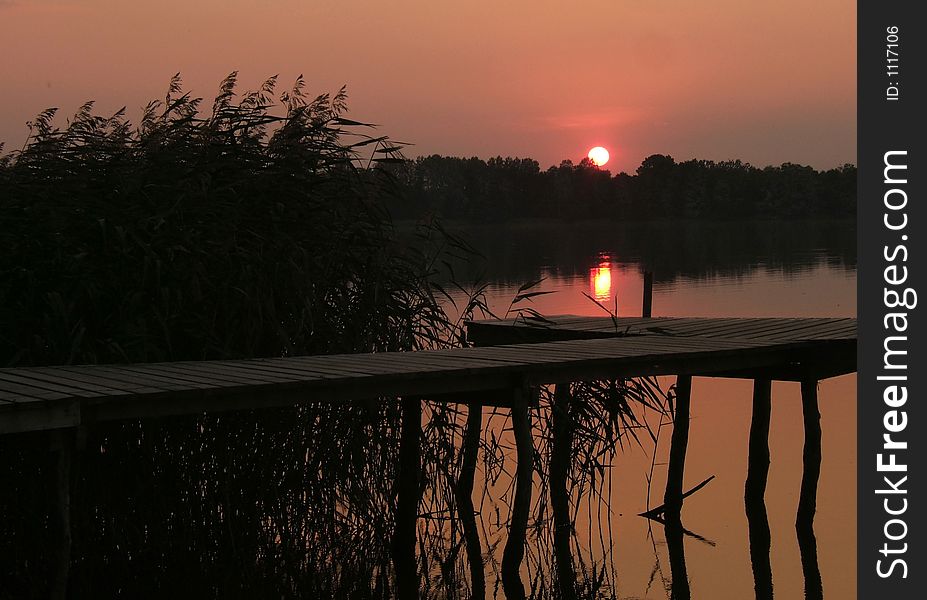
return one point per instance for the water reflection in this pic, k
(808, 549)
(674, 532)
(600, 279)
(359, 463)
(798, 269)
(760, 542)
(702, 269)
(675, 252)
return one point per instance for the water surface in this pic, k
(805, 269)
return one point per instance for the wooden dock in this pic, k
(508, 360)
(571, 349)
(803, 350)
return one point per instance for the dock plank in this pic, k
(86, 375)
(70, 390)
(572, 347)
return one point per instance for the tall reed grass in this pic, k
(253, 228)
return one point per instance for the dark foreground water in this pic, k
(298, 503)
(730, 269)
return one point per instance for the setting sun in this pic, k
(598, 155)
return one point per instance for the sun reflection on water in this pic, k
(600, 278)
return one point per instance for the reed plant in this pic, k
(254, 227)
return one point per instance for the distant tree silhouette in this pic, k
(661, 188)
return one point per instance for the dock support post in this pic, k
(560, 458)
(514, 550)
(463, 493)
(62, 442)
(648, 294)
(811, 455)
(672, 497)
(755, 489)
(807, 502)
(758, 457)
(409, 495)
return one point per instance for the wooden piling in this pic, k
(514, 550)
(409, 496)
(758, 457)
(755, 490)
(648, 294)
(463, 493)
(62, 442)
(807, 502)
(811, 455)
(672, 497)
(560, 461)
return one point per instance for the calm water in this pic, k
(741, 269)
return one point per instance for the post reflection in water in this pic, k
(735, 270)
(760, 542)
(674, 532)
(808, 549)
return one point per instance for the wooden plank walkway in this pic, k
(834, 339)
(510, 358)
(798, 349)
(577, 327)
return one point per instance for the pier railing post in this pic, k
(514, 550)
(409, 495)
(672, 498)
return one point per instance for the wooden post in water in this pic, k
(758, 458)
(514, 550)
(672, 497)
(560, 458)
(755, 489)
(410, 466)
(811, 456)
(463, 494)
(807, 502)
(62, 442)
(648, 294)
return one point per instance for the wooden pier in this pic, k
(508, 360)
(572, 349)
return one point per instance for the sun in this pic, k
(599, 156)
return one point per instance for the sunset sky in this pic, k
(765, 82)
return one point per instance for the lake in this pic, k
(805, 269)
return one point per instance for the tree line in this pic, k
(661, 188)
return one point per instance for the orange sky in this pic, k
(764, 82)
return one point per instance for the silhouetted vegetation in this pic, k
(238, 233)
(231, 234)
(661, 188)
(235, 234)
